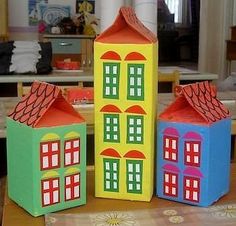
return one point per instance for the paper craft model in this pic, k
(46, 148)
(193, 147)
(125, 106)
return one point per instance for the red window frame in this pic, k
(191, 153)
(50, 190)
(169, 149)
(170, 184)
(71, 151)
(191, 188)
(72, 186)
(49, 154)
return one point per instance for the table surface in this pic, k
(15, 215)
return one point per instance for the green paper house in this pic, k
(46, 148)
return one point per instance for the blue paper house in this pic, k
(193, 147)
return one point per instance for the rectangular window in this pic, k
(111, 128)
(72, 152)
(170, 184)
(134, 176)
(50, 191)
(170, 148)
(135, 130)
(192, 153)
(72, 187)
(191, 189)
(111, 175)
(49, 155)
(111, 80)
(135, 90)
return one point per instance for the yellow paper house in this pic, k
(125, 107)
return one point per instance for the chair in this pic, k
(172, 78)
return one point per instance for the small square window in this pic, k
(76, 178)
(196, 148)
(107, 166)
(130, 186)
(68, 145)
(45, 148)
(138, 187)
(115, 128)
(131, 121)
(108, 128)
(108, 120)
(114, 80)
(68, 180)
(139, 81)
(55, 184)
(114, 70)
(131, 130)
(107, 175)
(115, 120)
(114, 166)
(139, 131)
(131, 92)
(108, 184)
(139, 138)
(138, 168)
(139, 122)
(45, 185)
(131, 70)
(138, 178)
(139, 92)
(76, 143)
(130, 168)
(107, 70)
(114, 90)
(107, 80)
(132, 81)
(108, 136)
(188, 183)
(139, 71)
(107, 90)
(131, 138)
(195, 184)
(115, 137)
(115, 185)
(115, 176)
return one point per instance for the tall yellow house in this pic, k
(125, 74)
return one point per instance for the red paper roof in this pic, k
(197, 103)
(44, 106)
(127, 28)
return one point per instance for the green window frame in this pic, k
(134, 176)
(111, 128)
(135, 129)
(135, 89)
(111, 75)
(111, 174)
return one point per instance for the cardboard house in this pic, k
(125, 76)
(193, 147)
(46, 152)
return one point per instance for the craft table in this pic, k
(15, 215)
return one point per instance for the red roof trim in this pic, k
(136, 109)
(110, 152)
(110, 55)
(110, 108)
(135, 56)
(135, 154)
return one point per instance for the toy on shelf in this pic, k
(46, 148)
(193, 147)
(125, 108)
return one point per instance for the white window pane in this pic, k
(54, 160)
(131, 70)
(114, 80)
(139, 71)
(167, 143)
(115, 121)
(173, 191)
(187, 194)
(76, 143)
(114, 166)
(166, 154)
(68, 158)
(130, 177)
(108, 184)
(115, 137)
(68, 145)
(173, 179)
(195, 184)
(114, 70)
(76, 157)
(131, 130)
(68, 193)
(196, 148)
(196, 159)
(68, 180)
(76, 178)
(108, 121)
(166, 189)
(195, 195)
(131, 92)
(139, 92)
(55, 147)
(55, 196)
(188, 183)
(139, 121)
(138, 187)
(107, 90)
(115, 128)
(107, 166)
(173, 144)
(45, 162)
(173, 156)
(139, 131)
(45, 185)
(115, 176)
(132, 81)
(55, 184)
(188, 158)
(131, 121)
(138, 177)
(130, 167)
(115, 185)
(107, 128)
(108, 175)
(108, 137)
(139, 81)
(187, 147)
(46, 198)
(137, 168)
(114, 90)
(130, 186)
(76, 191)
(107, 80)
(139, 138)
(131, 138)
(107, 69)
(45, 148)
(167, 178)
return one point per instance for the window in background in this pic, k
(176, 7)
